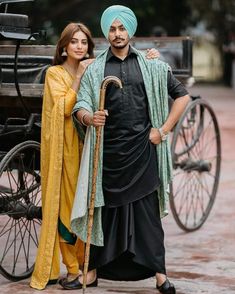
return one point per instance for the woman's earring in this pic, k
(64, 53)
(87, 55)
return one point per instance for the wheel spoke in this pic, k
(196, 162)
(20, 202)
(7, 241)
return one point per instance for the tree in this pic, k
(219, 18)
(53, 15)
(218, 15)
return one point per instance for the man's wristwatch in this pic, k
(162, 134)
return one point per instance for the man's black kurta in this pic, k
(133, 236)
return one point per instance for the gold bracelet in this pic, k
(82, 119)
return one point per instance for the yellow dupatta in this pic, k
(60, 159)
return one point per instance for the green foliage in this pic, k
(53, 15)
(218, 15)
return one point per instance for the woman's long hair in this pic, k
(66, 37)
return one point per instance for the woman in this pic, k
(60, 158)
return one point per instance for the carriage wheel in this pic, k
(20, 210)
(196, 155)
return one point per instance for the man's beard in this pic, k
(119, 46)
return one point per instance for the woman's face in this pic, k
(78, 46)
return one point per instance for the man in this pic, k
(135, 163)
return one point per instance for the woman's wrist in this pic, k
(86, 119)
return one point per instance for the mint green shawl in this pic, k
(154, 74)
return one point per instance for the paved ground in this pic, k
(198, 262)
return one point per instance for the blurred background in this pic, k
(211, 24)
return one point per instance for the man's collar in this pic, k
(130, 52)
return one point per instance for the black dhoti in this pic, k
(133, 242)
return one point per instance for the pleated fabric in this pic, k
(133, 242)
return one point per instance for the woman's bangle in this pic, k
(82, 119)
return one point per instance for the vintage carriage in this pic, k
(195, 145)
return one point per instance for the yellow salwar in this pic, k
(61, 152)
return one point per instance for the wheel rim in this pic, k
(20, 210)
(196, 154)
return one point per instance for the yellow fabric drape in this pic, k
(60, 158)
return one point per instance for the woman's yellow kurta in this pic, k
(60, 158)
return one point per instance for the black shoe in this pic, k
(52, 282)
(75, 284)
(166, 288)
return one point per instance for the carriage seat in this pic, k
(13, 26)
(31, 69)
(33, 61)
(14, 20)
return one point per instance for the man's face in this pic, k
(118, 35)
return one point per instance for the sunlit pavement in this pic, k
(198, 262)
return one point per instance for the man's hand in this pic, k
(154, 136)
(99, 118)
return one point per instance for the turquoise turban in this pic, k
(124, 14)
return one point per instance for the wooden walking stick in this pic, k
(104, 84)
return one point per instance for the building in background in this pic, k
(207, 61)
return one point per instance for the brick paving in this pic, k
(198, 262)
